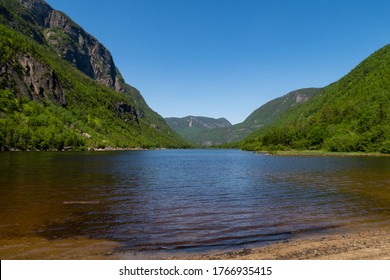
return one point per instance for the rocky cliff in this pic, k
(74, 44)
(33, 80)
(58, 83)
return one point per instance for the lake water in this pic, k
(187, 200)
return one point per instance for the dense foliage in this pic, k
(219, 132)
(202, 131)
(271, 111)
(352, 114)
(91, 117)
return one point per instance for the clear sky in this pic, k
(226, 58)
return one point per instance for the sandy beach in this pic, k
(360, 245)
(356, 245)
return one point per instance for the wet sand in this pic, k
(65, 249)
(360, 245)
(356, 245)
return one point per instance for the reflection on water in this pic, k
(187, 199)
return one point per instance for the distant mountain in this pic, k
(209, 132)
(352, 114)
(201, 131)
(60, 88)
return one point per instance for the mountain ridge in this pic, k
(203, 131)
(51, 67)
(73, 43)
(261, 117)
(41, 77)
(349, 115)
(269, 112)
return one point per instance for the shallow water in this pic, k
(187, 200)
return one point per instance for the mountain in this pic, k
(211, 132)
(201, 131)
(352, 114)
(60, 88)
(271, 111)
(38, 20)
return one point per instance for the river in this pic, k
(184, 200)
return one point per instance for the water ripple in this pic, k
(187, 199)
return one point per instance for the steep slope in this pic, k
(352, 114)
(45, 103)
(201, 131)
(35, 18)
(271, 111)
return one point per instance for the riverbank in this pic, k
(357, 245)
(84, 150)
(319, 153)
(360, 245)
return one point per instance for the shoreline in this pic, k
(357, 244)
(348, 243)
(320, 153)
(314, 153)
(106, 149)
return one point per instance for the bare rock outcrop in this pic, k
(34, 80)
(75, 45)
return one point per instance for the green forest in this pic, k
(50, 103)
(350, 115)
(91, 117)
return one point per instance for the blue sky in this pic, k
(226, 58)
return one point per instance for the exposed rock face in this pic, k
(42, 80)
(34, 80)
(75, 45)
(300, 98)
(38, 8)
(41, 72)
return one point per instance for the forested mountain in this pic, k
(208, 132)
(202, 131)
(60, 88)
(268, 113)
(352, 114)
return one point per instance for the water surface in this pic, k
(187, 200)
